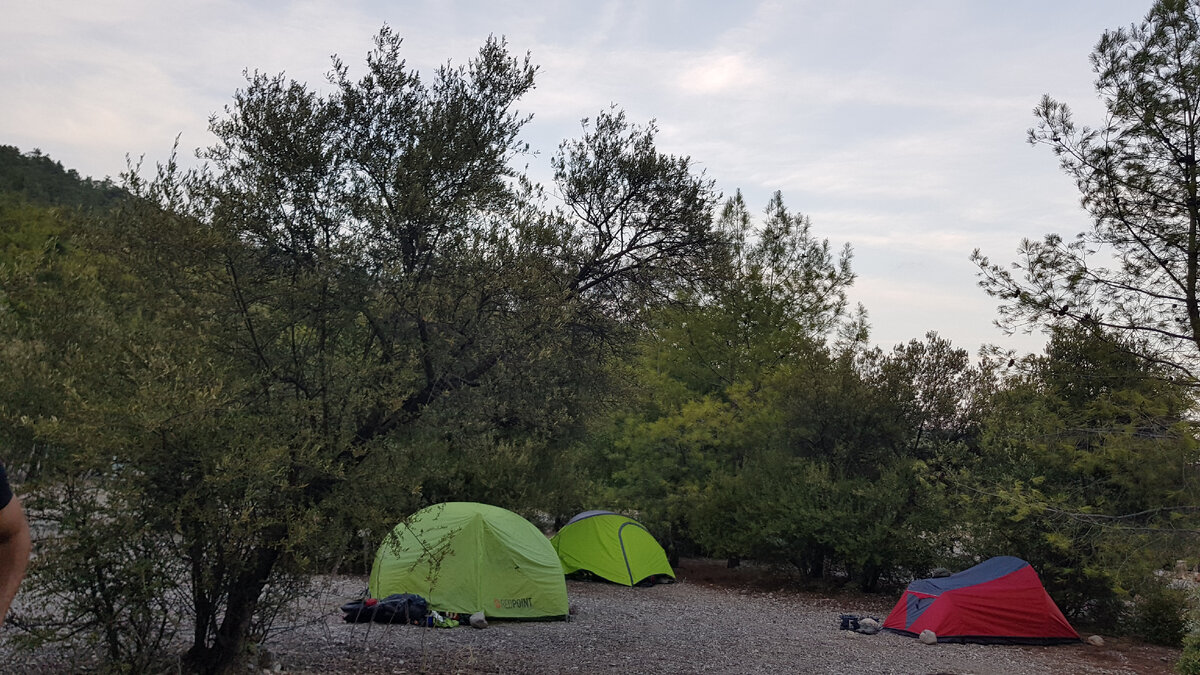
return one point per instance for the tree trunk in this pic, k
(229, 643)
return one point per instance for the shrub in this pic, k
(1189, 661)
(1160, 615)
(103, 578)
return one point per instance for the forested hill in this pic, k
(41, 180)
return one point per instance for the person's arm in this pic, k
(15, 545)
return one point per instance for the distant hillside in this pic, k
(40, 180)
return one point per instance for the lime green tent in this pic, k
(612, 546)
(466, 557)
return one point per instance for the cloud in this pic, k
(897, 127)
(904, 307)
(719, 73)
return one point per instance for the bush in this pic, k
(1160, 615)
(102, 577)
(1189, 661)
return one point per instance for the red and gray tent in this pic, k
(1000, 600)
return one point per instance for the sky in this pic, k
(896, 127)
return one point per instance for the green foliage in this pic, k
(748, 435)
(776, 295)
(1189, 660)
(1137, 173)
(26, 227)
(355, 307)
(837, 454)
(696, 412)
(662, 464)
(933, 391)
(1087, 470)
(107, 568)
(775, 512)
(106, 575)
(1160, 614)
(36, 178)
(799, 512)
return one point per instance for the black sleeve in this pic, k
(5, 490)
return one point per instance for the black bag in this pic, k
(395, 608)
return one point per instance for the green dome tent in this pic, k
(466, 557)
(612, 546)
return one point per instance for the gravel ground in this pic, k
(712, 620)
(694, 626)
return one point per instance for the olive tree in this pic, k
(357, 294)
